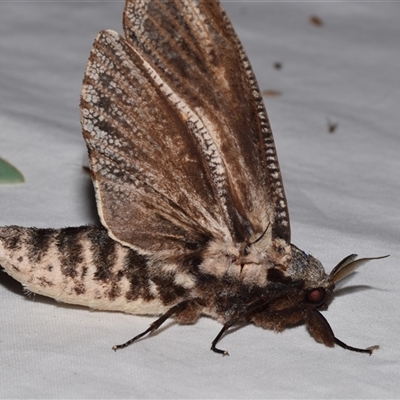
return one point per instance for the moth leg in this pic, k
(322, 332)
(154, 326)
(253, 306)
(368, 350)
(218, 337)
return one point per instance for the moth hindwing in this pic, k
(188, 187)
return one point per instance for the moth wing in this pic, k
(179, 142)
(195, 50)
(152, 185)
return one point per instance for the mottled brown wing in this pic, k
(179, 142)
(195, 50)
(152, 185)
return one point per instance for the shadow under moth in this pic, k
(188, 188)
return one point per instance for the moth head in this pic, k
(294, 289)
(317, 285)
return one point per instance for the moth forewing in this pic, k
(198, 54)
(188, 187)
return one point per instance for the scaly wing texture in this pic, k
(194, 48)
(180, 146)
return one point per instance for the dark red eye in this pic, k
(316, 296)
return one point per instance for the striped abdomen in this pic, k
(83, 266)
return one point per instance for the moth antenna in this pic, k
(349, 265)
(154, 326)
(344, 262)
(368, 350)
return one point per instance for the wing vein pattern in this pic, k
(179, 142)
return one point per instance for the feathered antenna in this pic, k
(348, 265)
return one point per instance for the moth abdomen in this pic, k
(81, 265)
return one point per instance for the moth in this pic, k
(188, 188)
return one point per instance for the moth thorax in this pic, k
(305, 267)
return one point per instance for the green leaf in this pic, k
(9, 174)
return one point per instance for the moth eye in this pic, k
(316, 296)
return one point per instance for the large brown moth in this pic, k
(188, 187)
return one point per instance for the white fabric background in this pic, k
(343, 192)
